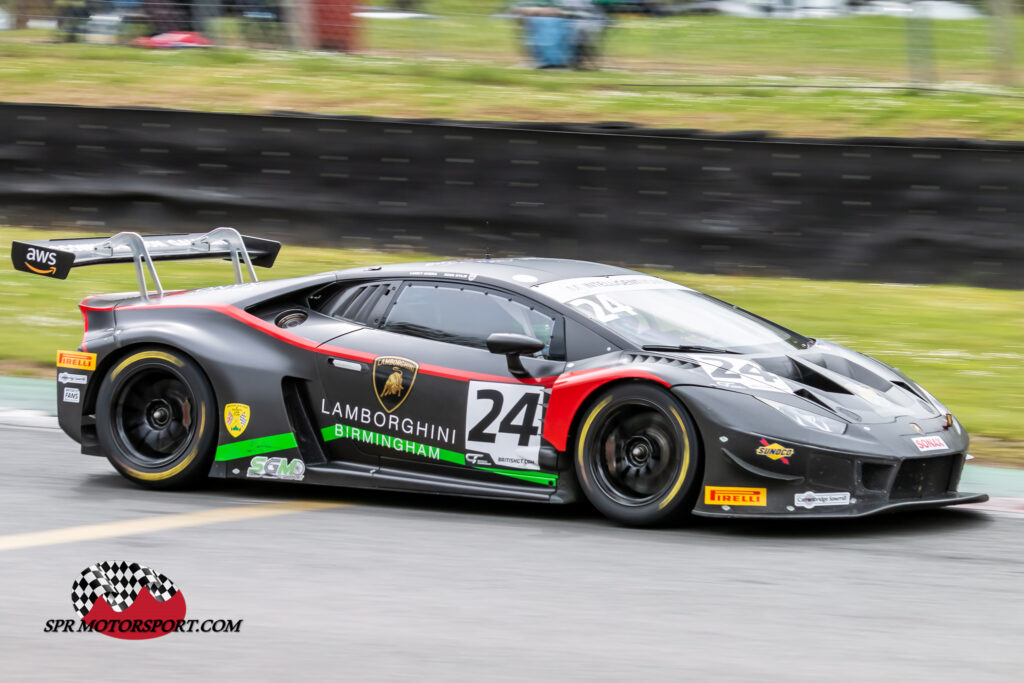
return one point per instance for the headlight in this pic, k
(806, 418)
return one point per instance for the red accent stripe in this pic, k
(329, 350)
(573, 388)
(568, 391)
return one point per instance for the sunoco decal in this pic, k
(774, 451)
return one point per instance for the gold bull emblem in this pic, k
(393, 387)
(393, 377)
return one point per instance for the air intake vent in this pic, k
(659, 360)
(290, 319)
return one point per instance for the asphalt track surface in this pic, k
(380, 586)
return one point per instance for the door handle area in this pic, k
(343, 364)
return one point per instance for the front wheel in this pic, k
(155, 418)
(638, 455)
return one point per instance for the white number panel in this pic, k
(726, 371)
(504, 423)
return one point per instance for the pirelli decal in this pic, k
(76, 360)
(735, 495)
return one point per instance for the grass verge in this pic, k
(470, 67)
(964, 344)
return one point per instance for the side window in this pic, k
(360, 302)
(467, 316)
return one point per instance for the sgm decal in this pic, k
(72, 378)
(774, 451)
(505, 421)
(236, 418)
(735, 495)
(393, 377)
(76, 360)
(276, 468)
(809, 499)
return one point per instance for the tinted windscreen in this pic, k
(650, 311)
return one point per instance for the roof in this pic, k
(519, 271)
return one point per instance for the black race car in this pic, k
(527, 379)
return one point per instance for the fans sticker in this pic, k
(930, 443)
(810, 499)
(130, 601)
(71, 395)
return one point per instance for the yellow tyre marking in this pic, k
(583, 435)
(143, 356)
(145, 525)
(686, 461)
(157, 476)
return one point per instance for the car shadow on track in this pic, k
(582, 515)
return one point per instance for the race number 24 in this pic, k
(505, 421)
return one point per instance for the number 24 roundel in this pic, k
(504, 421)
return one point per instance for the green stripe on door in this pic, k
(397, 443)
(251, 447)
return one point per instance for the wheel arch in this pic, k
(119, 354)
(591, 398)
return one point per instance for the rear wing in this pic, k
(56, 258)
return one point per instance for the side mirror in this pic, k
(512, 346)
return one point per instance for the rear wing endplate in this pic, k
(56, 258)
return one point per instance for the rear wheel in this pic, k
(637, 455)
(155, 418)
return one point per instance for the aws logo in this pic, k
(393, 377)
(42, 258)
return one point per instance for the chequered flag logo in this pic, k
(119, 583)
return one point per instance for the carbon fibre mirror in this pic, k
(512, 346)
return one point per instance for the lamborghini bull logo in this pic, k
(393, 377)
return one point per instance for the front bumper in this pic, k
(753, 472)
(859, 510)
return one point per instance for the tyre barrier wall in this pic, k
(897, 210)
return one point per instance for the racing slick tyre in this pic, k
(155, 418)
(638, 455)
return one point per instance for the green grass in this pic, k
(468, 66)
(965, 345)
